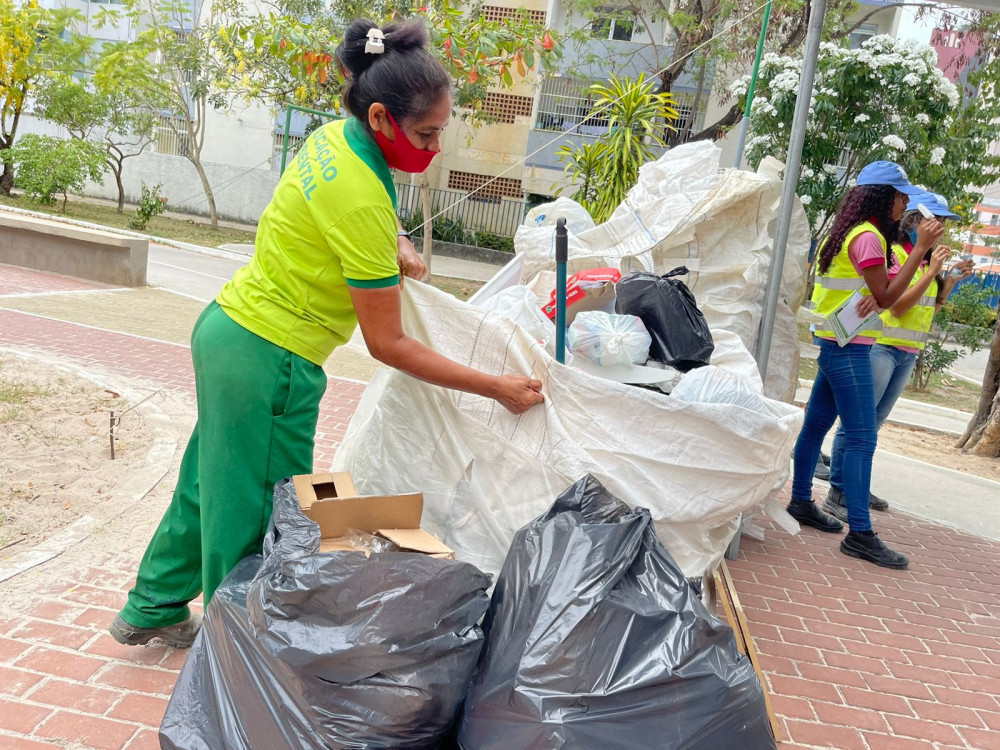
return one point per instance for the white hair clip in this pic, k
(374, 45)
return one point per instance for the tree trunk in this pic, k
(428, 208)
(7, 178)
(209, 195)
(982, 436)
(65, 200)
(116, 168)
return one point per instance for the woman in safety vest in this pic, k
(855, 257)
(903, 335)
(328, 256)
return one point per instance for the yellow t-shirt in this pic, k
(331, 224)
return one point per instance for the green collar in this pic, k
(362, 144)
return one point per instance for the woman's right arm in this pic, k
(887, 291)
(912, 295)
(379, 313)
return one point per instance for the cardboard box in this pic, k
(589, 290)
(332, 501)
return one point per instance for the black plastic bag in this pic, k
(594, 640)
(680, 334)
(307, 650)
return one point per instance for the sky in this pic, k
(911, 28)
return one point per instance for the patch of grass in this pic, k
(15, 396)
(194, 230)
(945, 390)
(456, 287)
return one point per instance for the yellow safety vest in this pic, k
(840, 281)
(912, 328)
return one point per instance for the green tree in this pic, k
(638, 122)
(720, 35)
(47, 166)
(170, 69)
(885, 100)
(34, 43)
(105, 111)
(288, 57)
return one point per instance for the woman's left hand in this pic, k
(866, 306)
(410, 264)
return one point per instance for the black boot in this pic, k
(822, 471)
(866, 545)
(835, 504)
(807, 514)
(877, 503)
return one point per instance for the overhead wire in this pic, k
(597, 111)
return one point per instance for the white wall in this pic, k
(240, 193)
(241, 137)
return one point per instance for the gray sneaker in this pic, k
(180, 635)
(835, 504)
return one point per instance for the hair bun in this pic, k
(399, 37)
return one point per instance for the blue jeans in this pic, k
(891, 371)
(843, 388)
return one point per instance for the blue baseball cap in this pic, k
(935, 203)
(887, 173)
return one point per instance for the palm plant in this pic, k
(638, 120)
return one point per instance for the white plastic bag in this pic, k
(609, 339)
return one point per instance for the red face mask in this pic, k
(401, 153)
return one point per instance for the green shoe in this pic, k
(180, 635)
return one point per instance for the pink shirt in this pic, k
(866, 251)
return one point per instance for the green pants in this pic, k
(258, 405)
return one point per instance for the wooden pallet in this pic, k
(725, 591)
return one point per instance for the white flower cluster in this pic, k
(894, 142)
(862, 118)
(911, 79)
(762, 106)
(806, 199)
(830, 169)
(785, 81)
(740, 86)
(937, 155)
(923, 118)
(806, 172)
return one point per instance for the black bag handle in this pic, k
(679, 271)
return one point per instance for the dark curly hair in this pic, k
(405, 77)
(863, 203)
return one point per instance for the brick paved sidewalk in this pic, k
(855, 656)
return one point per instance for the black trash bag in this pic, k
(594, 640)
(680, 334)
(307, 650)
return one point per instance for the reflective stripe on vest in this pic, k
(840, 281)
(910, 329)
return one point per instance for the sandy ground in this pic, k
(935, 449)
(56, 464)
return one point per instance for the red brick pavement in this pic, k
(855, 656)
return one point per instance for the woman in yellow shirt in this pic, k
(325, 261)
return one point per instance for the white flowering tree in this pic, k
(885, 100)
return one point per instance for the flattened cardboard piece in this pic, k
(417, 540)
(312, 487)
(336, 515)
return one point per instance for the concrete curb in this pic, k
(156, 465)
(228, 254)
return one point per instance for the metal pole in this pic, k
(792, 166)
(562, 256)
(745, 124)
(284, 144)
